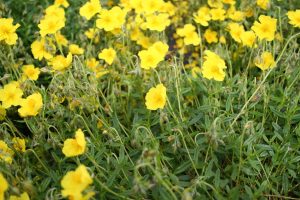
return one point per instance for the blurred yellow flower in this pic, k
(19, 144)
(6, 153)
(75, 182)
(31, 105)
(90, 9)
(8, 31)
(151, 6)
(218, 14)
(213, 66)
(31, 72)
(248, 38)
(265, 28)
(263, 4)
(3, 186)
(60, 62)
(156, 97)
(190, 35)
(50, 25)
(108, 55)
(236, 30)
(203, 16)
(265, 61)
(153, 55)
(294, 17)
(111, 19)
(75, 49)
(61, 39)
(40, 49)
(74, 147)
(157, 22)
(210, 36)
(11, 95)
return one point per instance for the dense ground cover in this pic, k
(149, 99)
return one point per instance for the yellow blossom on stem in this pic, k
(75, 182)
(213, 66)
(265, 28)
(74, 147)
(60, 62)
(31, 72)
(90, 9)
(41, 49)
(31, 105)
(156, 97)
(8, 31)
(294, 17)
(265, 61)
(108, 55)
(11, 95)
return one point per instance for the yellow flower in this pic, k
(19, 144)
(218, 14)
(40, 49)
(156, 97)
(211, 36)
(64, 3)
(74, 147)
(60, 39)
(157, 22)
(90, 8)
(92, 64)
(60, 62)
(152, 56)
(50, 25)
(3, 186)
(108, 55)
(294, 17)
(265, 61)
(248, 38)
(235, 15)
(8, 31)
(151, 6)
(265, 29)
(202, 17)
(91, 33)
(190, 35)
(31, 72)
(149, 58)
(75, 49)
(263, 4)
(11, 95)
(111, 19)
(213, 66)
(6, 153)
(75, 182)
(31, 105)
(236, 31)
